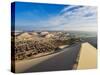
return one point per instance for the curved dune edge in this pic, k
(88, 57)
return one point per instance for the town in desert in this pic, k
(34, 44)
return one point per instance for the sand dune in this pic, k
(88, 57)
(62, 60)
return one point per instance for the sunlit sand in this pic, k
(88, 57)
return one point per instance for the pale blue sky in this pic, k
(38, 16)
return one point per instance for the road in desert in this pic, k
(62, 60)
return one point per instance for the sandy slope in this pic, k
(88, 57)
(62, 60)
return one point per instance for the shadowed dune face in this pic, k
(63, 60)
(56, 50)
